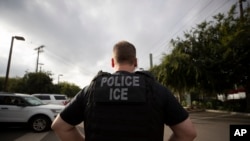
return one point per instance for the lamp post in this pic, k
(9, 60)
(58, 78)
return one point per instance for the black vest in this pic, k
(122, 107)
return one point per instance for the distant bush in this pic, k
(238, 105)
(213, 104)
(184, 103)
(197, 104)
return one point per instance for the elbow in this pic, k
(53, 126)
(56, 126)
(184, 137)
(56, 123)
(192, 135)
(184, 131)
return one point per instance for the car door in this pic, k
(10, 111)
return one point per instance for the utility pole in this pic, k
(39, 50)
(241, 9)
(151, 60)
(58, 78)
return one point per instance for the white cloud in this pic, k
(79, 35)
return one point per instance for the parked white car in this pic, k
(59, 99)
(24, 108)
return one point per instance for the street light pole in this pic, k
(9, 60)
(58, 78)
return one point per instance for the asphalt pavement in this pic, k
(210, 126)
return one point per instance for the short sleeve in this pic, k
(173, 112)
(73, 113)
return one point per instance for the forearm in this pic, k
(70, 135)
(184, 131)
(173, 137)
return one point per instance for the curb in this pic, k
(227, 112)
(193, 110)
(215, 111)
(196, 111)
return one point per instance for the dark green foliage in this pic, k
(213, 57)
(40, 82)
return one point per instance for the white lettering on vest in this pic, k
(124, 81)
(118, 94)
(120, 86)
(104, 80)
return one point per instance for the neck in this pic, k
(128, 68)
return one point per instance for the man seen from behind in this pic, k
(124, 106)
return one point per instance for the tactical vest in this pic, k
(123, 108)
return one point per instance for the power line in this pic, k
(158, 45)
(165, 42)
(68, 63)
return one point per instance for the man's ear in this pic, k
(112, 62)
(135, 65)
(135, 62)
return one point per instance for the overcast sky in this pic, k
(79, 35)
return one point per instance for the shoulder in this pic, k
(174, 113)
(163, 95)
(163, 89)
(81, 95)
(160, 90)
(146, 74)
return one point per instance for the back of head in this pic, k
(124, 53)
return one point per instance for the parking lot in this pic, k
(210, 126)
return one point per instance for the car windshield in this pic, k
(33, 101)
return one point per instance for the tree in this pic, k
(40, 82)
(213, 57)
(1, 83)
(37, 83)
(69, 89)
(16, 85)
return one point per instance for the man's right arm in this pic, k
(65, 131)
(184, 131)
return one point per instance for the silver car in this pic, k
(24, 108)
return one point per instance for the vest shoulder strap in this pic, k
(146, 73)
(100, 74)
(92, 85)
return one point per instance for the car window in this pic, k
(57, 97)
(17, 101)
(33, 101)
(6, 100)
(1, 100)
(10, 100)
(43, 97)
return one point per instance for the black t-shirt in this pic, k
(173, 112)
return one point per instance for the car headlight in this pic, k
(56, 110)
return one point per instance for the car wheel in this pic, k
(40, 123)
